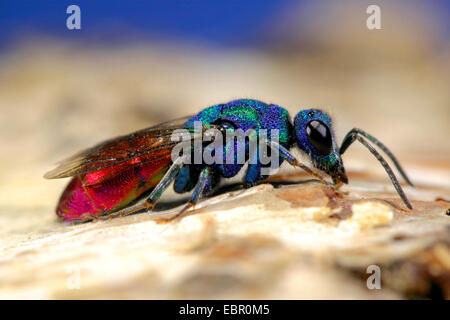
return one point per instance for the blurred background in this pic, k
(136, 63)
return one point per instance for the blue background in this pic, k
(222, 23)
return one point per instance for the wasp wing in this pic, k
(151, 144)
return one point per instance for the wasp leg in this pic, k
(151, 200)
(286, 155)
(204, 184)
(254, 164)
(354, 136)
(254, 168)
(350, 137)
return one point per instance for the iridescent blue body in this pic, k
(242, 114)
(311, 131)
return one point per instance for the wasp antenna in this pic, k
(383, 162)
(351, 136)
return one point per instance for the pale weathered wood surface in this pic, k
(296, 241)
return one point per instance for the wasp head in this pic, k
(314, 135)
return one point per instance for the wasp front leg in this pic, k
(357, 135)
(286, 155)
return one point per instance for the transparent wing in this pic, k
(151, 144)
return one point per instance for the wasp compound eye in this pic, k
(319, 136)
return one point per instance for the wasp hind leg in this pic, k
(204, 185)
(149, 203)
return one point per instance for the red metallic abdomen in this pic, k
(110, 188)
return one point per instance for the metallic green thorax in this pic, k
(248, 114)
(241, 114)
